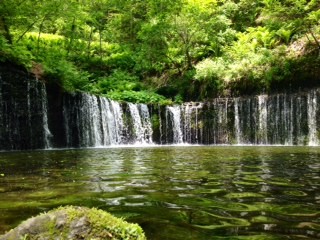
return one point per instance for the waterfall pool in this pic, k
(173, 192)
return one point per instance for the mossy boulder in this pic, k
(75, 223)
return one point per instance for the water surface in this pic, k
(191, 192)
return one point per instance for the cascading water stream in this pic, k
(95, 118)
(175, 116)
(237, 121)
(187, 122)
(221, 129)
(91, 119)
(262, 110)
(146, 123)
(191, 122)
(116, 125)
(287, 120)
(160, 125)
(312, 118)
(297, 119)
(111, 120)
(141, 123)
(105, 119)
(137, 125)
(290, 121)
(46, 132)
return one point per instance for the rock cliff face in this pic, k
(22, 109)
(37, 115)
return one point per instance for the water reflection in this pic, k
(173, 192)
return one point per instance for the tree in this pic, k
(189, 48)
(292, 17)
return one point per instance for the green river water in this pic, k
(181, 192)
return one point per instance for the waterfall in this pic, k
(244, 121)
(312, 118)
(289, 111)
(191, 122)
(297, 119)
(238, 136)
(249, 116)
(221, 130)
(187, 123)
(91, 121)
(146, 123)
(175, 116)
(84, 120)
(278, 119)
(262, 110)
(137, 124)
(44, 102)
(141, 123)
(23, 113)
(91, 134)
(112, 123)
(106, 122)
(160, 125)
(287, 116)
(97, 137)
(67, 120)
(116, 122)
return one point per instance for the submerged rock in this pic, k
(75, 223)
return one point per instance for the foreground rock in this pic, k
(75, 223)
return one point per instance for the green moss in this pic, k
(72, 222)
(104, 224)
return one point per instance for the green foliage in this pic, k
(53, 61)
(121, 60)
(19, 53)
(67, 74)
(285, 34)
(153, 48)
(178, 99)
(210, 74)
(118, 81)
(209, 70)
(138, 97)
(4, 48)
(182, 50)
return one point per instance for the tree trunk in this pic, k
(27, 30)
(188, 58)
